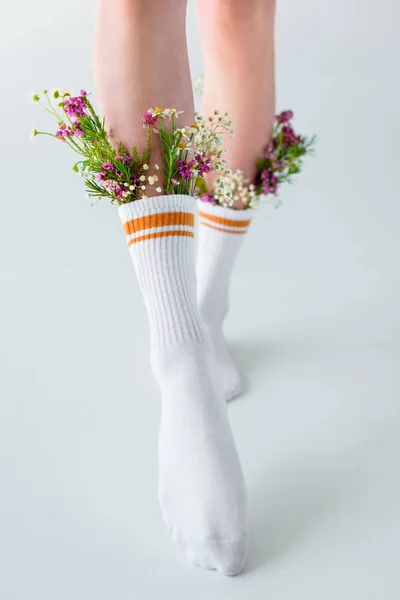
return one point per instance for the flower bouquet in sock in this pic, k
(111, 170)
(283, 158)
(202, 491)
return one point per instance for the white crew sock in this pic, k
(201, 486)
(221, 235)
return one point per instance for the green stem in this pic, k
(45, 133)
(52, 107)
(49, 111)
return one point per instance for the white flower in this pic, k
(142, 178)
(145, 167)
(156, 167)
(142, 187)
(151, 179)
(34, 97)
(158, 189)
(157, 112)
(174, 112)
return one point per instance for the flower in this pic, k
(78, 131)
(269, 182)
(35, 97)
(149, 119)
(75, 106)
(185, 169)
(34, 133)
(118, 191)
(124, 159)
(145, 167)
(108, 166)
(203, 164)
(284, 116)
(173, 112)
(289, 136)
(208, 198)
(158, 189)
(64, 131)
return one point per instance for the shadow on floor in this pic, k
(292, 501)
(253, 356)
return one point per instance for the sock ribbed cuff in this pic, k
(222, 218)
(157, 217)
(160, 234)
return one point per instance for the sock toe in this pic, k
(226, 557)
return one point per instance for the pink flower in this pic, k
(289, 136)
(118, 191)
(75, 106)
(203, 164)
(124, 159)
(208, 198)
(64, 132)
(269, 182)
(101, 176)
(79, 132)
(269, 151)
(185, 169)
(149, 119)
(284, 116)
(113, 186)
(77, 128)
(107, 166)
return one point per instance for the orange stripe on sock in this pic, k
(158, 220)
(159, 234)
(225, 222)
(221, 228)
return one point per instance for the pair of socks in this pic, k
(202, 491)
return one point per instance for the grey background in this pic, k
(314, 326)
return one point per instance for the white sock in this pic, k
(221, 235)
(201, 486)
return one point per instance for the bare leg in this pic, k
(238, 46)
(141, 62)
